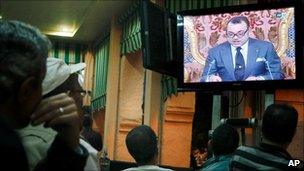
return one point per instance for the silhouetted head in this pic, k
(279, 123)
(224, 140)
(142, 144)
(23, 53)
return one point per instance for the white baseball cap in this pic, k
(57, 71)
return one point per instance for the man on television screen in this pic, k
(242, 58)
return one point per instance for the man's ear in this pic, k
(27, 89)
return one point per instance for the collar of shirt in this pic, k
(244, 52)
(148, 167)
(278, 151)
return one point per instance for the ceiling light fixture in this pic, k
(63, 31)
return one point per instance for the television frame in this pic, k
(296, 83)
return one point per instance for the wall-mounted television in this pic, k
(158, 32)
(241, 47)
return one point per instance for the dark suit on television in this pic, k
(220, 62)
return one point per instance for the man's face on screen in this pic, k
(237, 34)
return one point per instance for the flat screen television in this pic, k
(158, 33)
(241, 47)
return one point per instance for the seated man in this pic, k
(224, 141)
(278, 128)
(23, 53)
(141, 142)
(59, 78)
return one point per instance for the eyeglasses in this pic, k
(239, 34)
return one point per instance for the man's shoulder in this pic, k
(217, 163)
(248, 150)
(10, 145)
(257, 158)
(37, 134)
(260, 42)
(220, 46)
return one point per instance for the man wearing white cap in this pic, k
(60, 78)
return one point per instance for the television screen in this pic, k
(158, 32)
(241, 47)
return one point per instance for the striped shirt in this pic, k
(265, 157)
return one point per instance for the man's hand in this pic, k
(214, 78)
(60, 113)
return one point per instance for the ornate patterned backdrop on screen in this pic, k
(204, 32)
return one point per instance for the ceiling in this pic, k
(89, 19)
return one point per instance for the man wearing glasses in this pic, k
(37, 138)
(242, 58)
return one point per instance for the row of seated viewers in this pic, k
(41, 119)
